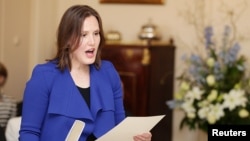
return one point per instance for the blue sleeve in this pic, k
(35, 103)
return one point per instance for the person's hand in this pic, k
(143, 137)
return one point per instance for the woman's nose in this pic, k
(91, 39)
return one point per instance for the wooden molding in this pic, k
(134, 1)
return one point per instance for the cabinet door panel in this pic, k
(147, 74)
(128, 62)
(129, 80)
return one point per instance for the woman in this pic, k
(75, 85)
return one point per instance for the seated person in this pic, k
(7, 103)
(13, 125)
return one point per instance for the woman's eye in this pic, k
(97, 33)
(83, 35)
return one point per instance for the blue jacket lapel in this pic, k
(66, 99)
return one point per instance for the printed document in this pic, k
(130, 127)
(75, 131)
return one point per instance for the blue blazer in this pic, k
(52, 102)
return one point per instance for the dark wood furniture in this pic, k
(147, 73)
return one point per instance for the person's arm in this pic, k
(12, 129)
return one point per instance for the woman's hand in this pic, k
(143, 137)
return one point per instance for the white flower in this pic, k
(202, 113)
(204, 108)
(185, 85)
(213, 95)
(178, 96)
(191, 115)
(189, 109)
(195, 93)
(203, 103)
(243, 113)
(215, 113)
(210, 62)
(211, 119)
(210, 80)
(234, 98)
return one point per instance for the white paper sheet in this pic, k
(130, 127)
(75, 131)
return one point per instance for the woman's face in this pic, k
(85, 54)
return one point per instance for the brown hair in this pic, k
(69, 32)
(3, 72)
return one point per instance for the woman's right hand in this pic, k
(143, 137)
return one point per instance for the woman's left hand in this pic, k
(143, 137)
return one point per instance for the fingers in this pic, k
(143, 137)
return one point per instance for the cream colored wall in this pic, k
(28, 27)
(14, 43)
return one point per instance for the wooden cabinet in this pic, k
(147, 73)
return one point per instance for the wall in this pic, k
(14, 41)
(28, 27)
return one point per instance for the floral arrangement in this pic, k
(215, 88)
